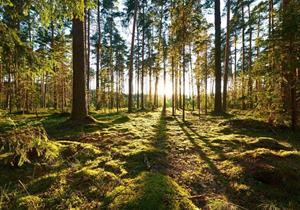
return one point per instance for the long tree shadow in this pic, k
(199, 150)
(221, 182)
(150, 186)
(204, 139)
(153, 159)
(263, 168)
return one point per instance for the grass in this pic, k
(152, 160)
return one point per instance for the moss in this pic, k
(82, 152)
(269, 205)
(268, 143)
(126, 161)
(27, 145)
(94, 182)
(29, 202)
(149, 191)
(42, 184)
(120, 120)
(220, 204)
(115, 166)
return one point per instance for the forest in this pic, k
(150, 104)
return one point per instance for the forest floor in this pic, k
(151, 160)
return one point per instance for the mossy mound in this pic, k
(267, 143)
(245, 123)
(149, 191)
(24, 145)
(79, 152)
(272, 168)
(120, 120)
(29, 202)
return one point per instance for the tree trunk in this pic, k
(290, 64)
(206, 78)
(235, 68)
(111, 67)
(218, 72)
(250, 83)
(150, 74)
(98, 56)
(156, 87)
(192, 79)
(176, 87)
(79, 106)
(243, 58)
(130, 89)
(198, 97)
(138, 70)
(183, 89)
(165, 79)
(227, 53)
(257, 82)
(180, 89)
(143, 59)
(54, 68)
(173, 87)
(88, 56)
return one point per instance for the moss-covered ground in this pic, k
(151, 160)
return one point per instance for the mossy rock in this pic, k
(149, 191)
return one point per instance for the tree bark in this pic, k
(227, 53)
(79, 104)
(250, 81)
(98, 56)
(54, 67)
(243, 57)
(165, 78)
(183, 89)
(192, 78)
(218, 72)
(206, 78)
(173, 87)
(138, 69)
(143, 58)
(130, 101)
(88, 56)
(111, 67)
(150, 73)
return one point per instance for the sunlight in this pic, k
(162, 89)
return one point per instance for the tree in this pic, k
(130, 79)
(227, 53)
(98, 54)
(79, 104)
(218, 72)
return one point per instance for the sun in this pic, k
(162, 89)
